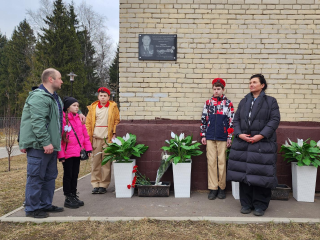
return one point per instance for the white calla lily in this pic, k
(167, 141)
(173, 135)
(194, 142)
(290, 141)
(300, 142)
(117, 141)
(286, 144)
(298, 153)
(126, 137)
(181, 136)
(318, 144)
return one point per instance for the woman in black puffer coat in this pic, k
(253, 154)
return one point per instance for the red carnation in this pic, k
(135, 178)
(133, 185)
(136, 166)
(129, 186)
(230, 130)
(134, 170)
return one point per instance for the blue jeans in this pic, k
(42, 172)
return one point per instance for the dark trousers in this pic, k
(70, 175)
(42, 172)
(254, 196)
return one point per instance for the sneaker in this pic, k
(246, 210)
(95, 190)
(76, 198)
(212, 194)
(53, 209)
(102, 190)
(70, 202)
(258, 212)
(221, 194)
(39, 213)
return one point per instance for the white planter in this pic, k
(235, 190)
(303, 182)
(182, 179)
(123, 176)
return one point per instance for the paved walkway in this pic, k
(15, 152)
(106, 207)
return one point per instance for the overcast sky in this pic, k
(12, 12)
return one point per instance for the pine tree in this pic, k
(4, 75)
(59, 48)
(20, 60)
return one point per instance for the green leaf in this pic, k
(136, 154)
(176, 159)
(186, 147)
(306, 161)
(313, 143)
(166, 148)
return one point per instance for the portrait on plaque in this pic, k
(161, 47)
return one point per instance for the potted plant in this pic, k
(121, 150)
(147, 188)
(305, 159)
(182, 149)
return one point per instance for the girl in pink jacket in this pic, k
(70, 150)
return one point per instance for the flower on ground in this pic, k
(300, 142)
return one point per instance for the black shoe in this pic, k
(212, 194)
(246, 210)
(76, 198)
(102, 190)
(95, 190)
(53, 209)
(258, 212)
(37, 214)
(221, 194)
(70, 202)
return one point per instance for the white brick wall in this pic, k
(231, 39)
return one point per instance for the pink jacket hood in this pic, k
(72, 148)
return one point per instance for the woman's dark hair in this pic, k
(262, 80)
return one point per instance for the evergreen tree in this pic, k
(59, 48)
(20, 60)
(3, 72)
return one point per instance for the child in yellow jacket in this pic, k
(102, 119)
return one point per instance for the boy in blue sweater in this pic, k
(216, 132)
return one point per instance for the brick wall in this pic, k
(231, 39)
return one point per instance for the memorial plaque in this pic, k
(160, 47)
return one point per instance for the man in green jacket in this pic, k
(40, 138)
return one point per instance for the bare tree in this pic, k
(11, 130)
(36, 18)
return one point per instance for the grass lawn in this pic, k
(12, 195)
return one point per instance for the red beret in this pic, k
(219, 80)
(104, 89)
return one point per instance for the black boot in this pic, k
(221, 194)
(76, 198)
(212, 194)
(70, 202)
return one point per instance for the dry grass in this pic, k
(153, 229)
(12, 195)
(13, 183)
